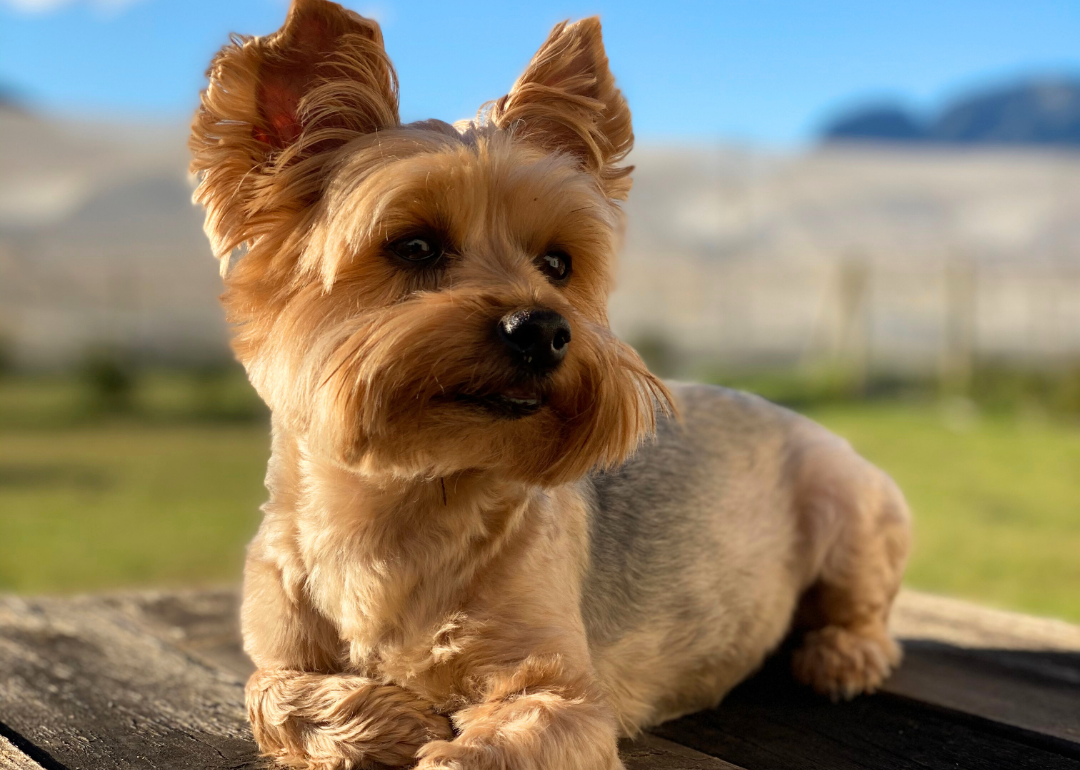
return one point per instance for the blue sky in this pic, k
(762, 71)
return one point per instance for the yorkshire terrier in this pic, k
(494, 539)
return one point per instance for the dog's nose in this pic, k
(537, 338)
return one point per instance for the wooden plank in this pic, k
(962, 624)
(771, 723)
(205, 624)
(1010, 687)
(13, 759)
(154, 679)
(979, 688)
(93, 690)
(1015, 669)
(650, 752)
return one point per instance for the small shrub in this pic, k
(109, 380)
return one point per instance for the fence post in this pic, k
(957, 360)
(852, 352)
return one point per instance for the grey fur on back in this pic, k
(655, 517)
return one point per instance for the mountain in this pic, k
(883, 124)
(1042, 112)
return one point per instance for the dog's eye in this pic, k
(556, 266)
(416, 249)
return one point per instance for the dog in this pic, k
(493, 538)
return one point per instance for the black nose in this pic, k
(537, 338)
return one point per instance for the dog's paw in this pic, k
(842, 663)
(339, 722)
(481, 755)
(450, 755)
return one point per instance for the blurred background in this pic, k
(867, 211)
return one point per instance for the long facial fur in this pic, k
(370, 359)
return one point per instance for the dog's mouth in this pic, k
(514, 402)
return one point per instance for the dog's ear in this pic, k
(275, 105)
(567, 101)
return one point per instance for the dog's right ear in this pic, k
(275, 107)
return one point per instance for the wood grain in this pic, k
(92, 690)
(771, 723)
(1019, 670)
(154, 679)
(1016, 669)
(1037, 691)
(13, 759)
(651, 752)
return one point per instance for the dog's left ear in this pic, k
(566, 101)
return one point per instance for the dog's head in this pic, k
(424, 298)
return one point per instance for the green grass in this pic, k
(996, 500)
(123, 505)
(164, 491)
(167, 492)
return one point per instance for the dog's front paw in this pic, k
(460, 755)
(447, 755)
(842, 663)
(505, 740)
(339, 722)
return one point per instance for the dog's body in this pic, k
(704, 542)
(469, 559)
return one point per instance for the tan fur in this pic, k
(415, 592)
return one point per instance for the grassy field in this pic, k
(996, 500)
(167, 492)
(112, 505)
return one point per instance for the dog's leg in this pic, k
(533, 718)
(857, 522)
(303, 715)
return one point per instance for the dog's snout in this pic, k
(538, 338)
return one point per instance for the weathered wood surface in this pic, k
(1015, 669)
(89, 685)
(155, 680)
(11, 758)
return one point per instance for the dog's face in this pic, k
(424, 299)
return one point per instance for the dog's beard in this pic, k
(423, 387)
